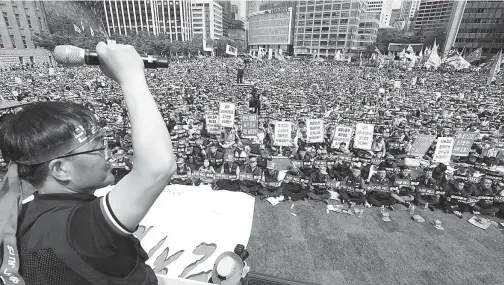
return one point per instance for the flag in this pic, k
(91, 31)
(410, 49)
(349, 59)
(458, 62)
(270, 54)
(338, 56)
(492, 73)
(231, 50)
(434, 59)
(475, 55)
(82, 25)
(360, 59)
(77, 29)
(377, 51)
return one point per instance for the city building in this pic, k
(239, 36)
(368, 30)
(237, 32)
(272, 28)
(474, 24)
(433, 14)
(237, 24)
(19, 22)
(408, 11)
(323, 28)
(226, 16)
(394, 16)
(383, 8)
(155, 17)
(234, 9)
(207, 19)
(252, 7)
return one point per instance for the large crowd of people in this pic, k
(401, 104)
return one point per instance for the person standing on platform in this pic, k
(241, 71)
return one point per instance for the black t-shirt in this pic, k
(84, 224)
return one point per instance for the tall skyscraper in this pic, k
(323, 28)
(474, 24)
(226, 16)
(384, 8)
(207, 19)
(19, 21)
(407, 14)
(433, 14)
(152, 16)
(395, 16)
(368, 30)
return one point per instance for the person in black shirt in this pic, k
(484, 189)
(295, 190)
(318, 187)
(428, 183)
(303, 156)
(215, 157)
(232, 168)
(251, 186)
(270, 184)
(183, 174)
(82, 239)
(380, 198)
(352, 189)
(455, 205)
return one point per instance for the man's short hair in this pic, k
(36, 129)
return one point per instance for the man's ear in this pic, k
(58, 168)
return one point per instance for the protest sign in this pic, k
(18, 80)
(341, 134)
(397, 84)
(212, 123)
(283, 133)
(463, 143)
(226, 114)
(443, 151)
(51, 70)
(421, 145)
(249, 125)
(364, 136)
(315, 130)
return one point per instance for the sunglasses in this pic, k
(103, 152)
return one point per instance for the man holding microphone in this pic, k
(66, 235)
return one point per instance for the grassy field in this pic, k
(340, 249)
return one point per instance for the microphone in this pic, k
(74, 56)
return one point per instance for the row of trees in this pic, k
(160, 45)
(387, 36)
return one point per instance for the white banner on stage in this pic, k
(188, 227)
(363, 136)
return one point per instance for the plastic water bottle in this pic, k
(412, 210)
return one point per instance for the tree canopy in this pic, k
(144, 43)
(425, 37)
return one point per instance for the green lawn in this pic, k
(340, 249)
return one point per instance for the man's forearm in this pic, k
(151, 141)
